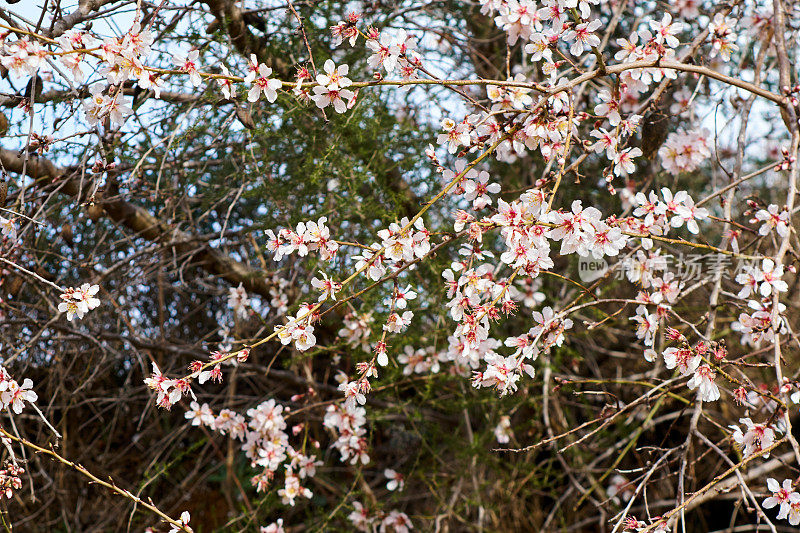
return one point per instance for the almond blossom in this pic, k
(503, 432)
(402, 296)
(665, 30)
(754, 437)
(386, 51)
(326, 286)
(353, 394)
(8, 228)
(783, 495)
(275, 527)
(238, 301)
(169, 391)
(583, 37)
(263, 84)
(345, 30)
(748, 278)
(99, 106)
(23, 57)
(360, 517)
(454, 135)
(772, 219)
(478, 190)
(647, 324)
(703, 381)
(689, 214)
(348, 424)
(397, 521)
(396, 480)
(722, 37)
(685, 151)
(13, 395)
(397, 322)
(76, 302)
(687, 362)
(332, 87)
(188, 64)
(292, 490)
(184, 524)
(623, 161)
(518, 18)
(200, 415)
(769, 277)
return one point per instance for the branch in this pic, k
(57, 95)
(719, 484)
(232, 19)
(731, 482)
(142, 223)
(107, 484)
(83, 12)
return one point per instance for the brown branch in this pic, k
(57, 95)
(730, 482)
(82, 13)
(716, 486)
(107, 484)
(233, 20)
(141, 222)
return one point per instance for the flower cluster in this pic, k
(772, 219)
(656, 525)
(764, 281)
(299, 329)
(420, 361)
(238, 301)
(308, 237)
(757, 326)
(10, 479)
(79, 301)
(402, 242)
(168, 391)
(346, 29)
(22, 57)
(213, 369)
(754, 438)
(687, 360)
(356, 330)
(658, 215)
(786, 497)
(348, 426)
(393, 52)
(124, 59)
(332, 88)
(685, 151)
(13, 395)
(265, 443)
(109, 105)
(722, 37)
(492, 274)
(366, 521)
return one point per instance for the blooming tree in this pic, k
(275, 265)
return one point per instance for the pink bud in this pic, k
(740, 395)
